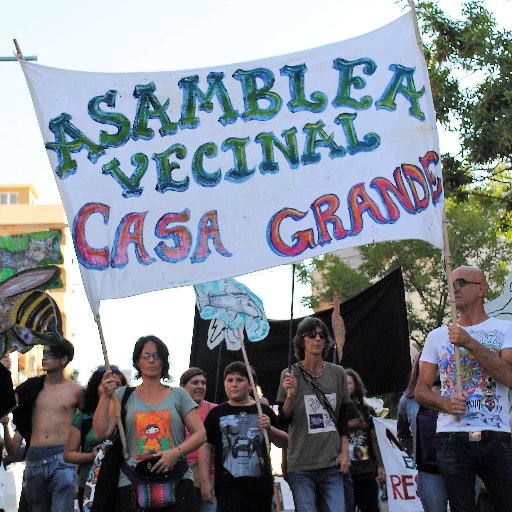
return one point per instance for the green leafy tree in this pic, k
(470, 65)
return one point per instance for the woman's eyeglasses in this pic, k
(313, 334)
(147, 356)
(113, 368)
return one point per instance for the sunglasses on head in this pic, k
(461, 282)
(103, 368)
(314, 334)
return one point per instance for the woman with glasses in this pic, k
(82, 445)
(155, 420)
(313, 399)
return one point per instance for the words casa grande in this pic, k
(413, 187)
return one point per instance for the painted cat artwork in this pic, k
(21, 252)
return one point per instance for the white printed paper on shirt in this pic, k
(318, 418)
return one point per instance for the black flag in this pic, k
(377, 343)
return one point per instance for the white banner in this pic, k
(183, 177)
(401, 474)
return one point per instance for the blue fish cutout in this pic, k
(234, 304)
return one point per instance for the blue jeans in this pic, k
(460, 460)
(317, 490)
(49, 481)
(432, 492)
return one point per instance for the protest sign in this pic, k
(178, 178)
(401, 473)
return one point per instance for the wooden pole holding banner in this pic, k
(451, 293)
(116, 402)
(290, 331)
(253, 385)
(19, 54)
(416, 27)
(446, 243)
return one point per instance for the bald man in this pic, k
(473, 432)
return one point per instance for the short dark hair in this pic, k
(308, 324)
(190, 374)
(162, 350)
(91, 397)
(236, 367)
(63, 348)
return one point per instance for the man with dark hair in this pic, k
(313, 400)
(473, 431)
(46, 407)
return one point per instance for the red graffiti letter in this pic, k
(323, 209)
(180, 235)
(359, 202)
(89, 257)
(301, 239)
(208, 228)
(129, 232)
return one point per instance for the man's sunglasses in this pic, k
(314, 334)
(461, 282)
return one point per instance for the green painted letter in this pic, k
(348, 80)
(61, 126)
(395, 86)
(122, 123)
(146, 100)
(192, 94)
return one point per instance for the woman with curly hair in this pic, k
(82, 445)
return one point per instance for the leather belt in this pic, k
(479, 435)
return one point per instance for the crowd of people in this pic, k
(184, 453)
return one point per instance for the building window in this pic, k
(9, 198)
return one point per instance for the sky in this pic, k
(157, 36)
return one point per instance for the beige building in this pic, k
(20, 214)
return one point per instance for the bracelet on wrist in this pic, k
(182, 455)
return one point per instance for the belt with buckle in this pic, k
(479, 435)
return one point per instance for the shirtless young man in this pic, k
(46, 407)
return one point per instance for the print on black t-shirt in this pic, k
(242, 444)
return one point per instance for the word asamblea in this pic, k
(261, 103)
